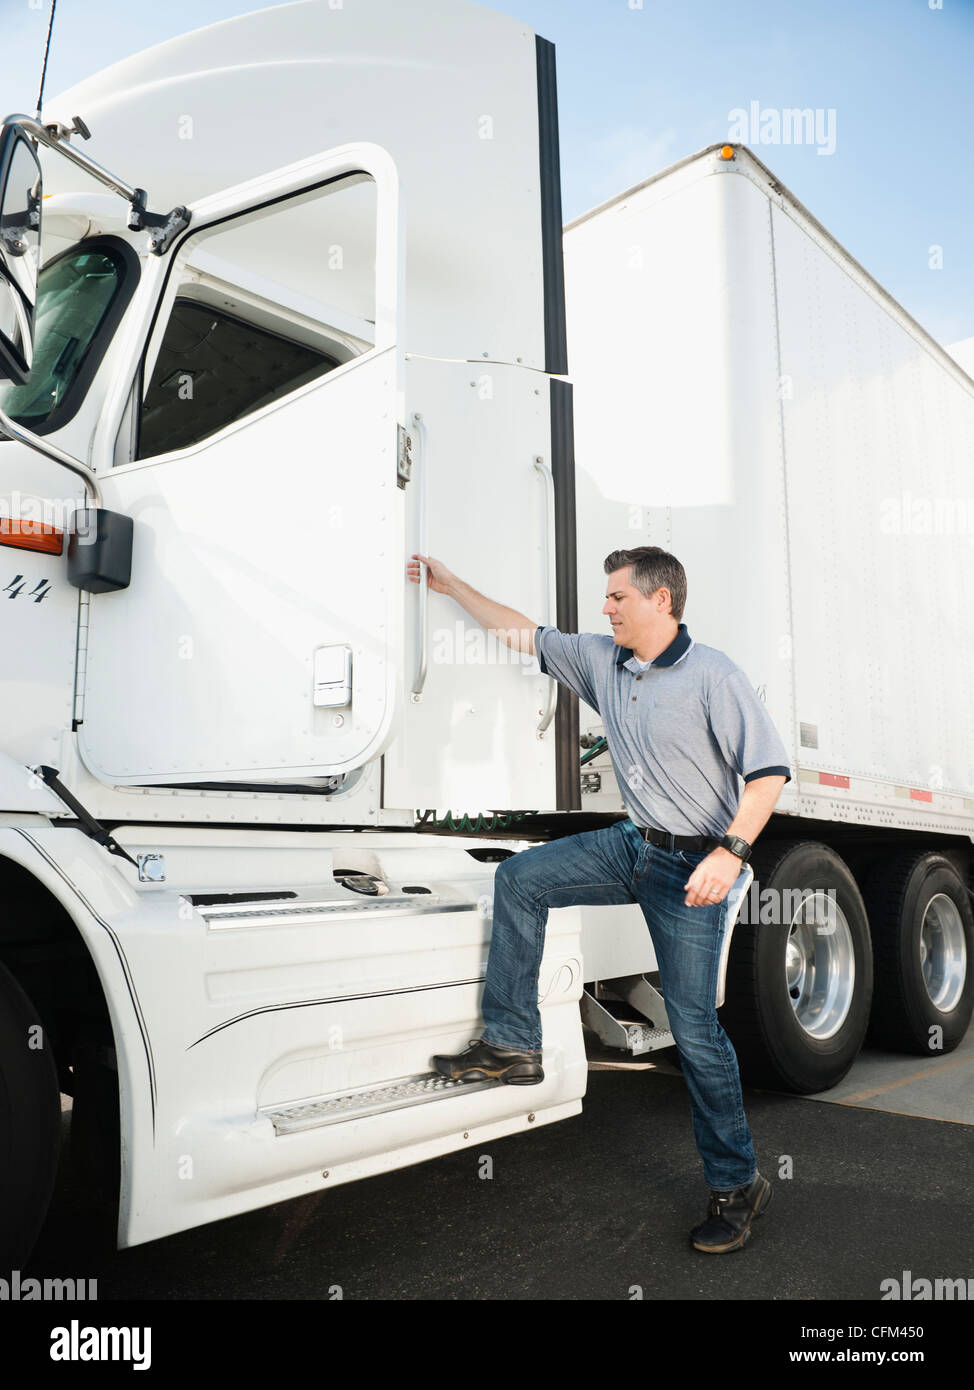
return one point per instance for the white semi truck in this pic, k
(304, 317)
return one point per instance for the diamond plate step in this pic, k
(628, 1035)
(294, 914)
(645, 1038)
(330, 1110)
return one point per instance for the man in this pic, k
(683, 725)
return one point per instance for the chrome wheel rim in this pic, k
(820, 965)
(943, 953)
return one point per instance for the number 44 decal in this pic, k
(16, 587)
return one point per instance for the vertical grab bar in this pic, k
(548, 713)
(422, 627)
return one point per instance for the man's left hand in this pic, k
(712, 879)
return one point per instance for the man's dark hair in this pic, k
(652, 569)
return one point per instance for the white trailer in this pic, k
(322, 329)
(747, 396)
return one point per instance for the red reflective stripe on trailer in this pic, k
(920, 796)
(832, 779)
(31, 535)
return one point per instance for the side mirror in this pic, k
(20, 241)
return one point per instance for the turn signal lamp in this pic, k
(31, 535)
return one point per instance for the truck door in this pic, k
(256, 450)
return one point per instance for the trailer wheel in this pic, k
(923, 944)
(799, 981)
(30, 1123)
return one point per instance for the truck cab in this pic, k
(291, 353)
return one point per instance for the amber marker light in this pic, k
(727, 151)
(31, 535)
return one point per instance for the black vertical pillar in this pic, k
(567, 773)
(567, 752)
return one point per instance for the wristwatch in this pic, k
(737, 846)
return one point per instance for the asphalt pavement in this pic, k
(596, 1207)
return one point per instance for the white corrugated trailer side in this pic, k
(749, 398)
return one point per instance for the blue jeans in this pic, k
(616, 865)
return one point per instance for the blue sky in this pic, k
(642, 84)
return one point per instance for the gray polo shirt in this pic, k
(681, 732)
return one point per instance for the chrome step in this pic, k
(239, 914)
(354, 1105)
(645, 1038)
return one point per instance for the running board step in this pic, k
(355, 1105)
(631, 1037)
(237, 914)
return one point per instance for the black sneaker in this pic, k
(729, 1217)
(481, 1062)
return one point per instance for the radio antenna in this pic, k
(47, 49)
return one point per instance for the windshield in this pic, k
(74, 295)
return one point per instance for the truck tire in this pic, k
(799, 982)
(94, 1147)
(923, 946)
(30, 1123)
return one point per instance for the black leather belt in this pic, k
(663, 840)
